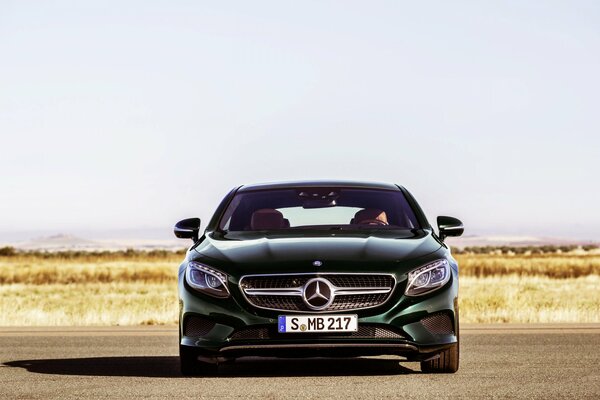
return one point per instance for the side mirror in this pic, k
(187, 229)
(449, 226)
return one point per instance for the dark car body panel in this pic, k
(317, 184)
(257, 250)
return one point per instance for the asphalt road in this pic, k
(502, 361)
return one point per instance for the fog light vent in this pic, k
(438, 324)
(384, 333)
(196, 326)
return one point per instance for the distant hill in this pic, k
(62, 242)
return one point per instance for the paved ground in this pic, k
(502, 361)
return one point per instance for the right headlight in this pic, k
(428, 278)
(206, 279)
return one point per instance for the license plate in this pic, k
(321, 323)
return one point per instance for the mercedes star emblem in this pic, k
(318, 294)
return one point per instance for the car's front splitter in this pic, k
(410, 351)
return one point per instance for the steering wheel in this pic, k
(372, 222)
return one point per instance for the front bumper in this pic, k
(415, 328)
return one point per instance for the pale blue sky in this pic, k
(134, 114)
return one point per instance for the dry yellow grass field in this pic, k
(80, 304)
(529, 299)
(550, 265)
(119, 290)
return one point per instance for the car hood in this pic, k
(265, 253)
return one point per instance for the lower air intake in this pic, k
(196, 326)
(438, 324)
(364, 332)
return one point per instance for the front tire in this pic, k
(191, 366)
(446, 363)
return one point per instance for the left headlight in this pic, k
(206, 280)
(428, 278)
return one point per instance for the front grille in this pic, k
(339, 280)
(355, 301)
(438, 324)
(196, 326)
(269, 282)
(364, 332)
(286, 292)
(347, 281)
(278, 302)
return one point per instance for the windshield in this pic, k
(318, 208)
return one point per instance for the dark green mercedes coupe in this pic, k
(318, 269)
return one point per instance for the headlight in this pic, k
(428, 278)
(206, 280)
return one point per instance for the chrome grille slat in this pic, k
(274, 292)
(283, 292)
(355, 291)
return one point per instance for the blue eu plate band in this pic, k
(281, 324)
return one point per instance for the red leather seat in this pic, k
(266, 219)
(370, 216)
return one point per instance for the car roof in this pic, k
(319, 183)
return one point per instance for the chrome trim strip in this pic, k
(453, 228)
(338, 291)
(319, 273)
(274, 292)
(318, 345)
(351, 291)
